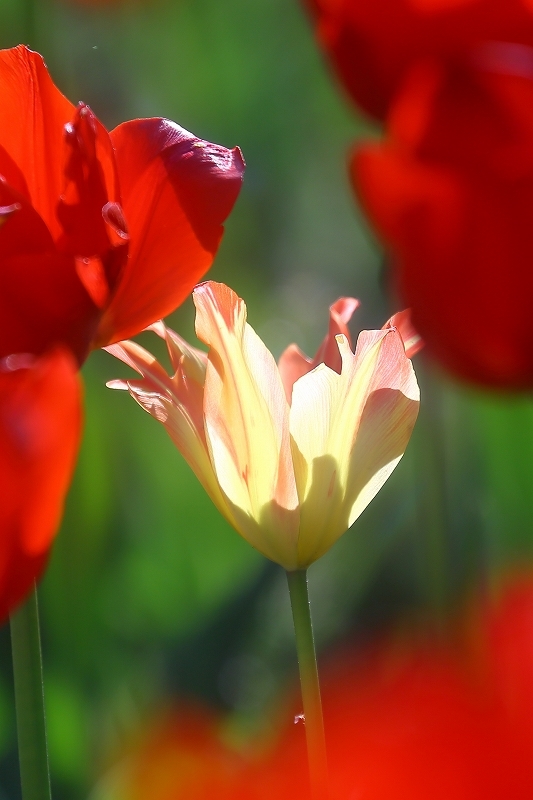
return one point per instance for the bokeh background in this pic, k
(149, 595)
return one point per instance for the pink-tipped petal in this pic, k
(412, 340)
(174, 401)
(246, 418)
(293, 363)
(349, 431)
(340, 313)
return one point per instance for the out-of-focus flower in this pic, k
(373, 43)
(40, 423)
(181, 756)
(102, 233)
(290, 478)
(451, 192)
(411, 717)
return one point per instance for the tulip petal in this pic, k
(412, 340)
(190, 360)
(246, 419)
(175, 401)
(340, 313)
(89, 209)
(42, 300)
(33, 113)
(177, 191)
(349, 432)
(293, 363)
(40, 426)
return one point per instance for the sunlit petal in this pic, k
(349, 432)
(412, 340)
(177, 191)
(33, 113)
(246, 413)
(177, 404)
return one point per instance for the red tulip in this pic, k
(181, 756)
(410, 718)
(40, 423)
(372, 43)
(451, 192)
(103, 233)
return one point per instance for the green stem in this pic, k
(313, 719)
(29, 701)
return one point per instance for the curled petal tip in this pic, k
(117, 384)
(412, 340)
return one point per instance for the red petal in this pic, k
(91, 184)
(177, 191)
(372, 43)
(42, 300)
(40, 423)
(455, 204)
(33, 113)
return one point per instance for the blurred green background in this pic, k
(149, 594)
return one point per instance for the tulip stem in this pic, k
(29, 701)
(312, 704)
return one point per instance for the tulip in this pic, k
(450, 190)
(103, 233)
(290, 460)
(40, 425)
(373, 43)
(291, 456)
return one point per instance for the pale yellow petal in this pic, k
(246, 420)
(349, 432)
(177, 404)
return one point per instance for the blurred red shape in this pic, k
(40, 425)
(372, 43)
(413, 717)
(451, 192)
(417, 717)
(103, 233)
(181, 756)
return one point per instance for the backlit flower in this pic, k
(373, 43)
(40, 424)
(451, 192)
(103, 233)
(291, 463)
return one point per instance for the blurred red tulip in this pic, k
(417, 719)
(372, 43)
(103, 233)
(181, 756)
(451, 192)
(40, 424)
(412, 718)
